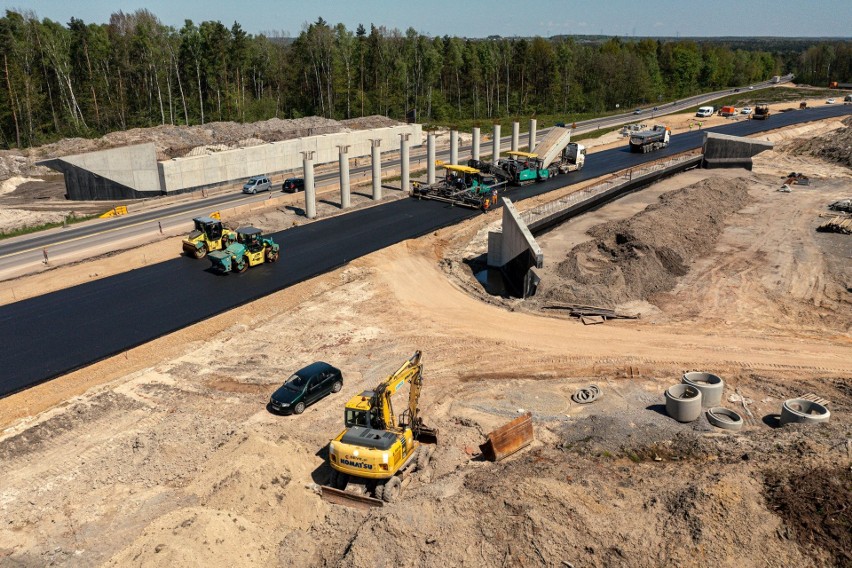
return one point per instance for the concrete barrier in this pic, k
(515, 252)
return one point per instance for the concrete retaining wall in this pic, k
(107, 175)
(724, 151)
(513, 240)
(196, 172)
(132, 172)
(515, 252)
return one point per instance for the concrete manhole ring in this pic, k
(587, 395)
(683, 402)
(803, 411)
(710, 385)
(724, 418)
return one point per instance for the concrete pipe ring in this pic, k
(683, 402)
(724, 418)
(803, 411)
(587, 394)
(710, 385)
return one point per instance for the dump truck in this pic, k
(761, 111)
(208, 235)
(376, 450)
(728, 111)
(650, 140)
(555, 154)
(250, 249)
(572, 159)
(462, 185)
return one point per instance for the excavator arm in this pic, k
(410, 372)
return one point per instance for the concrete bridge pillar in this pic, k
(377, 168)
(430, 158)
(533, 133)
(454, 147)
(404, 162)
(495, 155)
(515, 134)
(344, 177)
(474, 148)
(310, 190)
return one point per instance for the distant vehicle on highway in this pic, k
(751, 87)
(830, 101)
(256, 184)
(637, 111)
(746, 110)
(293, 185)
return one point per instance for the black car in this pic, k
(305, 387)
(293, 185)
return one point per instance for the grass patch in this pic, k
(70, 220)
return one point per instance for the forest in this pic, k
(87, 79)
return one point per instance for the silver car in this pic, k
(257, 183)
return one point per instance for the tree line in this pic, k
(85, 79)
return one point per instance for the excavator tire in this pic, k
(380, 491)
(392, 489)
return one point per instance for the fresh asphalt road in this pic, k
(50, 335)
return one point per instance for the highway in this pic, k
(50, 335)
(101, 235)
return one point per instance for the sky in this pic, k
(475, 18)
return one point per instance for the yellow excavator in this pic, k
(376, 452)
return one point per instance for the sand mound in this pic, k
(194, 536)
(646, 254)
(835, 147)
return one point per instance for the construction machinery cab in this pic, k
(250, 237)
(208, 226)
(462, 177)
(207, 235)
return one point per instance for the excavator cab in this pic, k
(360, 411)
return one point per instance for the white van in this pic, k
(704, 112)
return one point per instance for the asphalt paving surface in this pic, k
(50, 335)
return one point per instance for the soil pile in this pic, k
(835, 147)
(636, 258)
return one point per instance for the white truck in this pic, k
(559, 154)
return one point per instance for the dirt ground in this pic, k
(167, 455)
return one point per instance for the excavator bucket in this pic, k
(508, 439)
(426, 435)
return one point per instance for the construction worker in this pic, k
(690, 126)
(699, 125)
